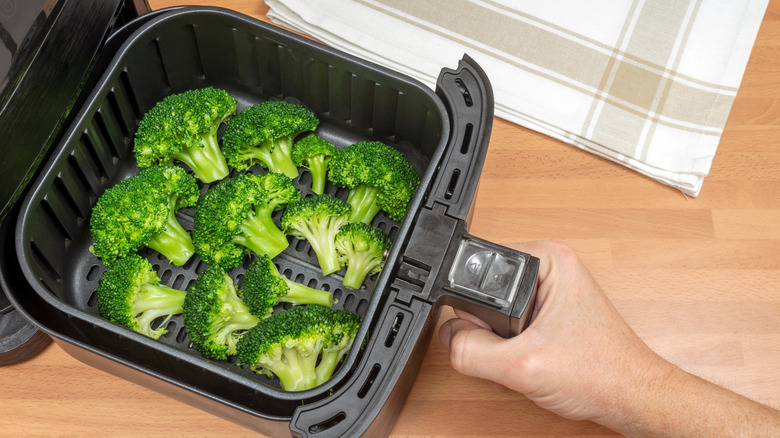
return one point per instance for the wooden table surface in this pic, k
(697, 278)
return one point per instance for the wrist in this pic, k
(671, 402)
(646, 391)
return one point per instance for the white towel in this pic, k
(646, 83)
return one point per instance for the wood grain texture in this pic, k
(698, 279)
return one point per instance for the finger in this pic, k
(475, 351)
(462, 314)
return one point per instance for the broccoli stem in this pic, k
(174, 242)
(300, 294)
(153, 301)
(236, 320)
(321, 241)
(226, 336)
(362, 198)
(272, 157)
(357, 271)
(253, 153)
(327, 365)
(296, 372)
(206, 161)
(318, 167)
(309, 368)
(231, 332)
(242, 320)
(260, 234)
(281, 157)
(289, 373)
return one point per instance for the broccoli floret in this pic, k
(264, 134)
(140, 211)
(317, 219)
(290, 344)
(314, 153)
(361, 249)
(235, 215)
(183, 127)
(344, 329)
(214, 315)
(378, 178)
(264, 287)
(130, 294)
(280, 191)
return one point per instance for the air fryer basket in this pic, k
(195, 47)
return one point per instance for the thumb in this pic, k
(474, 350)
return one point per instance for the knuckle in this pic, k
(564, 253)
(561, 248)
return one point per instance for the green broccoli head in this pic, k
(130, 294)
(280, 190)
(314, 153)
(235, 216)
(361, 250)
(317, 219)
(140, 211)
(264, 133)
(291, 343)
(378, 178)
(214, 315)
(183, 128)
(264, 287)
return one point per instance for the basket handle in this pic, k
(445, 265)
(493, 282)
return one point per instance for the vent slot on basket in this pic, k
(116, 111)
(464, 91)
(55, 219)
(454, 178)
(327, 424)
(466, 142)
(268, 68)
(79, 175)
(48, 268)
(109, 134)
(364, 390)
(62, 194)
(127, 104)
(89, 140)
(165, 77)
(394, 329)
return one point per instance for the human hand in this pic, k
(578, 357)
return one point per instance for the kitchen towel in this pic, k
(646, 83)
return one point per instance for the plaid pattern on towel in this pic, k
(648, 84)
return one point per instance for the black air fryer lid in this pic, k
(47, 48)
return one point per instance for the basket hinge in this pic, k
(423, 257)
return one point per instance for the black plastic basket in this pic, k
(443, 133)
